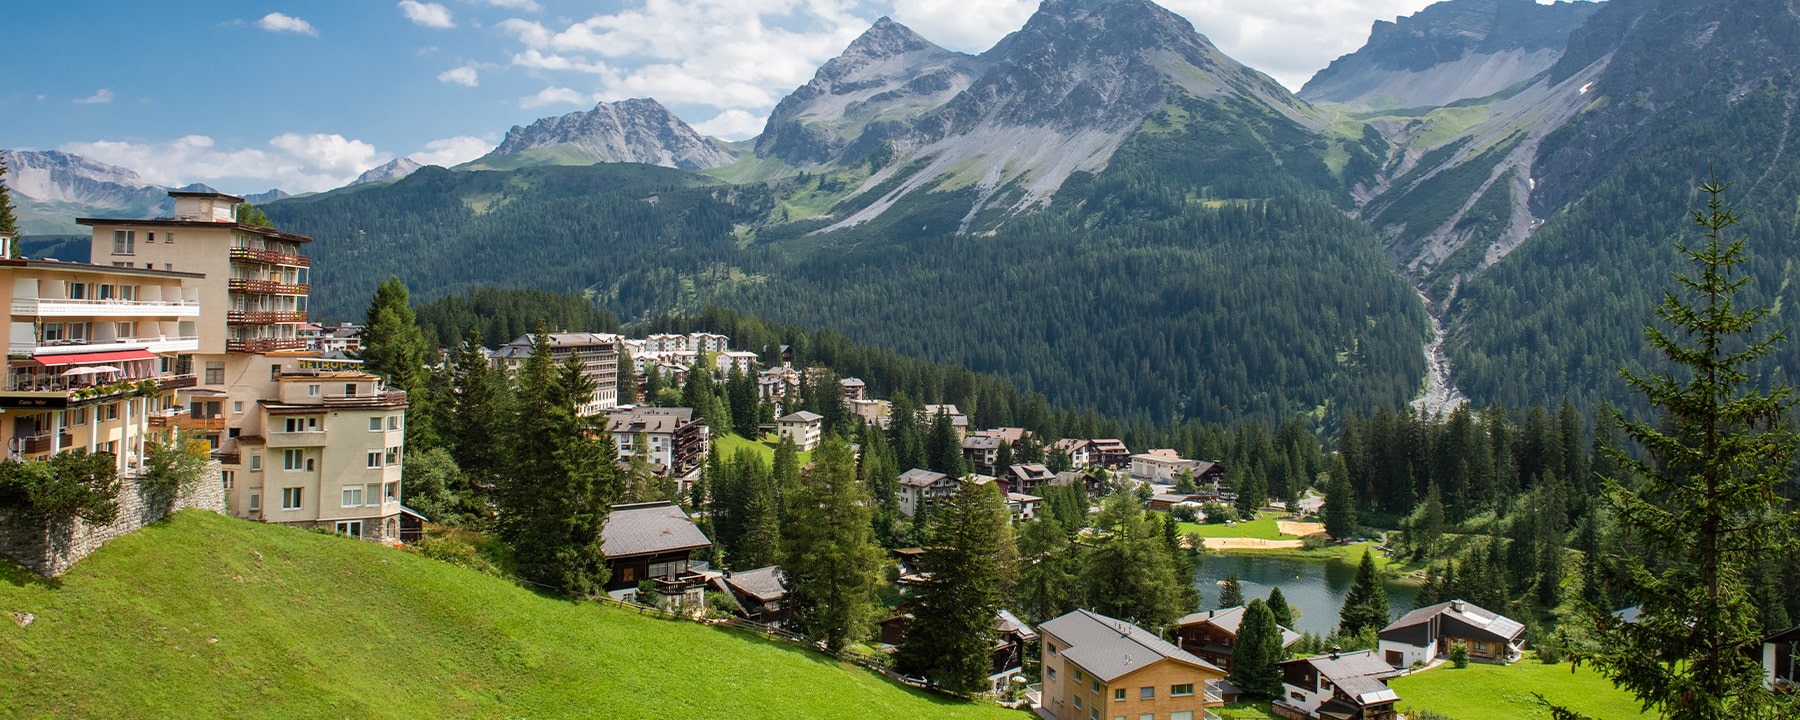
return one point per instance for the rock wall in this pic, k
(52, 551)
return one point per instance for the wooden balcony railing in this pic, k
(211, 424)
(264, 345)
(269, 256)
(177, 382)
(266, 287)
(263, 317)
(34, 444)
(385, 398)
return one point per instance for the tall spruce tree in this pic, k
(478, 417)
(951, 639)
(1366, 606)
(1129, 574)
(1708, 507)
(1340, 502)
(1278, 604)
(1048, 570)
(1258, 649)
(1231, 594)
(394, 348)
(628, 382)
(830, 560)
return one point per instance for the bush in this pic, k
(1215, 513)
(172, 468)
(1459, 654)
(1315, 542)
(71, 484)
(1186, 513)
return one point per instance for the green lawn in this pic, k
(206, 616)
(729, 443)
(1247, 710)
(1262, 527)
(1494, 692)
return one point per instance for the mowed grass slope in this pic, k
(1495, 692)
(184, 619)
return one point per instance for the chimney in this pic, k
(1456, 605)
(1334, 651)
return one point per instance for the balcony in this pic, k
(269, 257)
(63, 307)
(203, 424)
(177, 382)
(266, 287)
(167, 417)
(41, 443)
(264, 345)
(263, 317)
(158, 344)
(314, 438)
(384, 398)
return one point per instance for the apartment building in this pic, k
(296, 435)
(93, 357)
(1100, 667)
(599, 355)
(672, 438)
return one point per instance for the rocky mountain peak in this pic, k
(637, 130)
(886, 39)
(391, 170)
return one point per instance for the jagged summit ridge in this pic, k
(391, 170)
(637, 130)
(1450, 51)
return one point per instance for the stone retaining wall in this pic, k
(52, 551)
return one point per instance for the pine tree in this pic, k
(1047, 570)
(1231, 594)
(653, 385)
(1340, 504)
(9, 222)
(1708, 508)
(628, 384)
(394, 348)
(1278, 604)
(1431, 524)
(477, 422)
(1366, 606)
(829, 557)
(1129, 574)
(943, 451)
(952, 634)
(1258, 649)
(760, 544)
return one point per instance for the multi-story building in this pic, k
(803, 428)
(708, 342)
(93, 357)
(599, 355)
(1100, 667)
(672, 438)
(297, 437)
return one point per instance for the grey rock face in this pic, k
(638, 130)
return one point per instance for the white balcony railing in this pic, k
(158, 344)
(63, 307)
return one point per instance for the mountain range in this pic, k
(1523, 165)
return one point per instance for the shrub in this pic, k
(1315, 542)
(1214, 512)
(1459, 654)
(171, 468)
(72, 484)
(1186, 513)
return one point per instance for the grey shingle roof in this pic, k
(1109, 648)
(802, 416)
(921, 478)
(1503, 628)
(1228, 619)
(647, 420)
(764, 584)
(1359, 670)
(645, 528)
(1006, 622)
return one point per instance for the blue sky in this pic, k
(305, 95)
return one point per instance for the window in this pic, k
(53, 332)
(353, 496)
(130, 292)
(255, 461)
(1077, 702)
(215, 373)
(232, 432)
(1051, 672)
(1094, 686)
(1147, 716)
(293, 459)
(629, 574)
(228, 477)
(274, 371)
(302, 424)
(77, 417)
(1052, 647)
(1119, 695)
(374, 424)
(255, 502)
(78, 331)
(374, 458)
(312, 391)
(110, 411)
(169, 266)
(350, 389)
(352, 528)
(125, 330)
(124, 242)
(169, 238)
(1146, 693)
(290, 498)
(1183, 715)
(373, 496)
(393, 422)
(1183, 690)
(1078, 676)
(1093, 713)
(237, 406)
(392, 492)
(393, 456)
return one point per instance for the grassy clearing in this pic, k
(729, 443)
(1247, 710)
(1494, 692)
(206, 616)
(1262, 527)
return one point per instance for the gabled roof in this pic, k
(981, 442)
(1006, 622)
(764, 584)
(647, 528)
(918, 477)
(1228, 619)
(801, 417)
(1109, 648)
(1360, 675)
(1031, 471)
(647, 420)
(1501, 627)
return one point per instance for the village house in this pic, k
(981, 452)
(778, 383)
(1099, 667)
(743, 362)
(1080, 452)
(1011, 636)
(920, 488)
(958, 421)
(1778, 660)
(873, 412)
(673, 438)
(1426, 633)
(854, 389)
(1009, 435)
(1108, 453)
(1163, 467)
(1212, 634)
(1338, 686)
(1023, 507)
(1094, 483)
(802, 428)
(1028, 478)
(758, 594)
(654, 541)
(597, 352)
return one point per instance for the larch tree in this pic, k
(829, 557)
(1048, 570)
(1703, 498)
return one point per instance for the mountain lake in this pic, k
(1315, 589)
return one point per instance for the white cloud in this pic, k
(100, 97)
(464, 75)
(964, 25)
(1289, 41)
(453, 151)
(732, 125)
(554, 96)
(526, 5)
(431, 15)
(277, 22)
(293, 162)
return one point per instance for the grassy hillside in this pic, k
(1496, 692)
(205, 616)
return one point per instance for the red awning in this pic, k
(81, 358)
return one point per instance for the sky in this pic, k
(304, 95)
